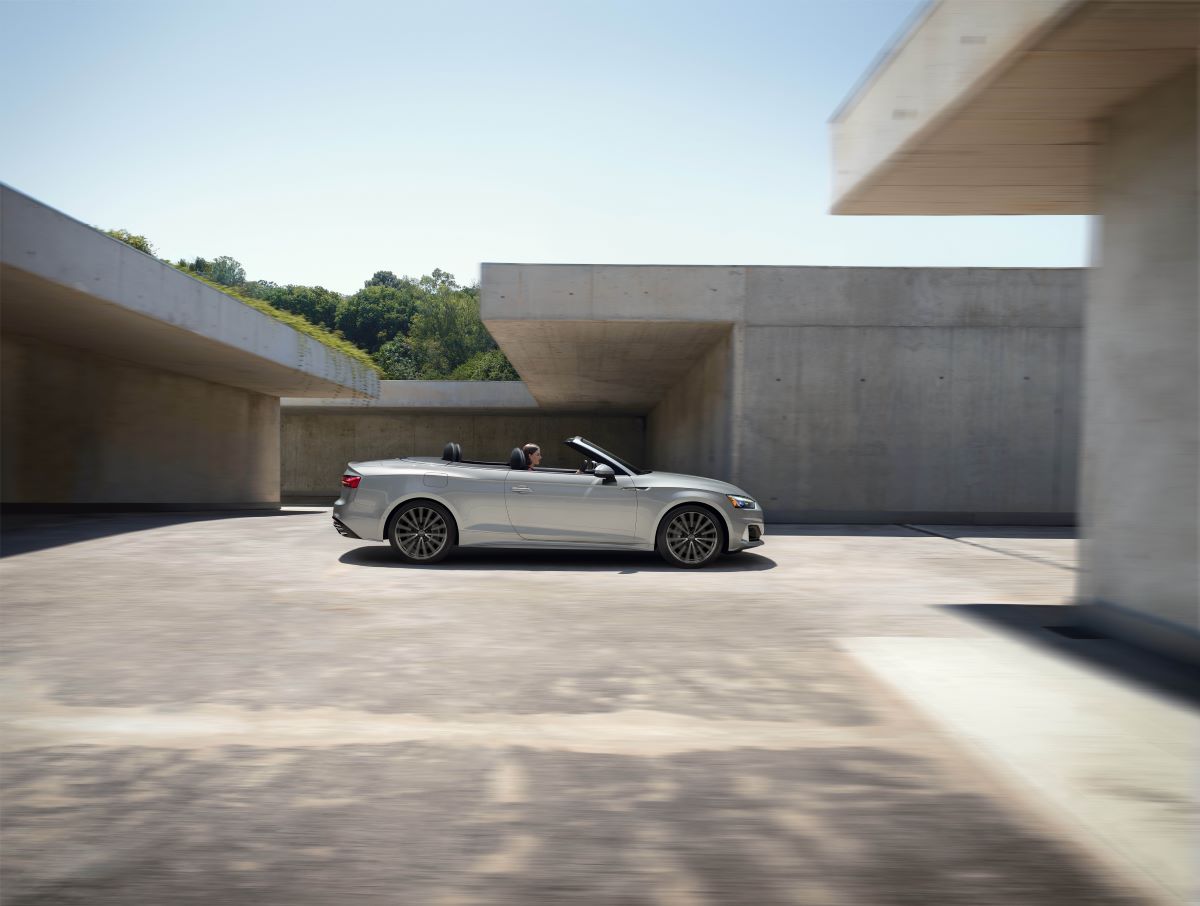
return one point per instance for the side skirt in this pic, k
(560, 545)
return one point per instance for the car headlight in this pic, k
(741, 503)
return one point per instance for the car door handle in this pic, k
(520, 489)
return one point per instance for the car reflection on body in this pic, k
(427, 506)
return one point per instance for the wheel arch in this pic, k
(722, 520)
(417, 497)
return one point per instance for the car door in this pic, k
(565, 506)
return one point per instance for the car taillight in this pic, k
(351, 481)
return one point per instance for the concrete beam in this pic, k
(615, 367)
(460, 396)
(608, 338)
(66, 283)
(991, 108)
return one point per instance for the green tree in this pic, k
(492, 365)
(141, 243)
(386, 278)
(316, 304)
(447, 332)
(398, 360)
(226, 271)
(258, 289)
(438, 281)
(376, 314)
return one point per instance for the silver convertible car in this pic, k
(427, 506)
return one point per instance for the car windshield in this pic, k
(628, 467)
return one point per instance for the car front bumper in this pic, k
(752, 530)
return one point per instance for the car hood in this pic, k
(676, 479)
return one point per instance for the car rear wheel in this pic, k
(422, 532)
(690, 537)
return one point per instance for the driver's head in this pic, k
(533, 454)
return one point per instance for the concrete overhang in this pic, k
(607, 338)
(989, 107)
(66, 283)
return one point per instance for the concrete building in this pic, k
(832, 394)
(129, 384)
(1074, 107)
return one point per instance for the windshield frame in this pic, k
(595, 451)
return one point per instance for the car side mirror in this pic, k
(605, 472)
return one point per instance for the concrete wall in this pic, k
(83, 429)
(318, 442)
(890, 394)
(690, 430)
(1141, 454)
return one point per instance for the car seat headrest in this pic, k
(516, 459)
(458, 452)
(448, 452)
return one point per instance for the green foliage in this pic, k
(255, 289)
(376, 314)
(427, 329)
(398, 360)
(385, 278)
(438, 281)
(141, 243)
(447, 332)
(492, 365)
(315, 303)
(224, 270)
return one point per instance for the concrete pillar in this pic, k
(1140, 479)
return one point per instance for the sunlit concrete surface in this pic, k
(1116, 761)
(254, 710)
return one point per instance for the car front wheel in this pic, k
(422, 532)
(689, 537)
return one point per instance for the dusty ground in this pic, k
(254, 710)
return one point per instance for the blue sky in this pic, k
(318, 143)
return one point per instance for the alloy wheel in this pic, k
(692, 537)
(421, 533)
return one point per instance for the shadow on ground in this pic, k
(22, 533)
(1060, 629)
(620, 562)
(417, 823)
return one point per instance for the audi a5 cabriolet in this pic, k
(427, 506)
